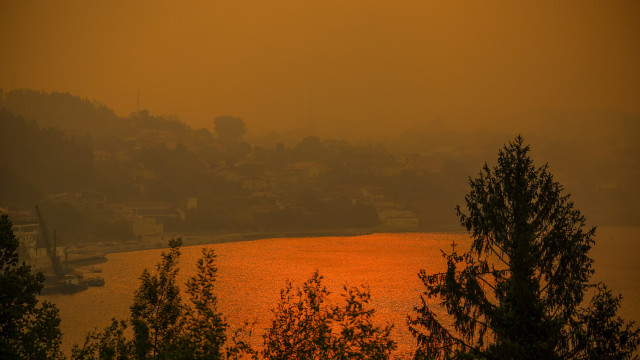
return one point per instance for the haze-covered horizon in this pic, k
(438, 86)
(366, 69)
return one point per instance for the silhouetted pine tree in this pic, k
(518, 292)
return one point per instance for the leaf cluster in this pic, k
(163, 325)
(305, 326)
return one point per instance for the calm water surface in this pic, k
(252, 273)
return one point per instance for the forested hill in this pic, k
(79, 160)
(61, 110)
(35, 159)
(81, 116)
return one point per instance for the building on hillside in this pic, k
(102, 155)
(27, 236)
(192, 203)
(20, 216)
(264, 202)
(391, 214)
(372, 193)
(147, 229)
(399, 219)
(255, 184)
(228, 175)
(306, 169)
(157, 210)
(32, 249)
(140, 172)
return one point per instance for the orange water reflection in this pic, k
(251, 274)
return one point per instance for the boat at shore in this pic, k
(93, 281)
(68, 284)
(79, 259)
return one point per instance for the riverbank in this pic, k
(204, 238)
(252, 273)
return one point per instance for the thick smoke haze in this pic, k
(343, 135)
(346, 69)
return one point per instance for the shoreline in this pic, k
(93, 254)
(205, 238)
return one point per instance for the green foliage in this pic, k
(27, 331)
(306, 327)
(518, 291)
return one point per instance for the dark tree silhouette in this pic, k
(157, 307)
(519, 291)
(203, 330)
(230, 129)
(306, 327)
(27, 331)
(164, 325)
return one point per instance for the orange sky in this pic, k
(348, 65)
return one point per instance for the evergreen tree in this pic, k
(27, 331)
(519, 291)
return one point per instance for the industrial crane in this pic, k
(51, 247)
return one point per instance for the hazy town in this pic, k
(335, 181)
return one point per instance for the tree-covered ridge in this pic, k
(61, 110)
(81, 116)
(519, 291)
(45, 157)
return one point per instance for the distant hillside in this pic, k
(81, 116)
(45, 157)
(62, 110)
(54, 143)
(15, 190)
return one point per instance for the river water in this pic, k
(252, 273)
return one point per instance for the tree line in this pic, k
(522, 291)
